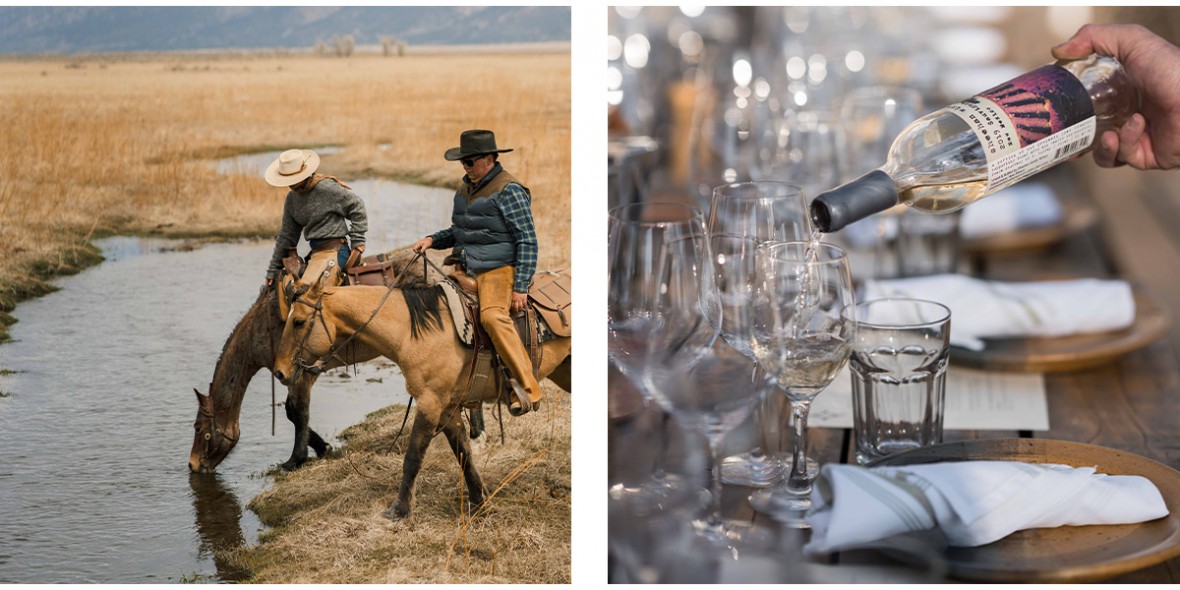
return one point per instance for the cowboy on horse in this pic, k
(321, 207)
(494, 240)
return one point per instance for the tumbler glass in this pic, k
(898, 363)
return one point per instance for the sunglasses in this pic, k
(469, 162)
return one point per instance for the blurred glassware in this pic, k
(807, 152)
(872, 117)
(631, 162)
(712, 399)
(663, 313)
(662, 308)
(649, 533)
(928, 244)
(727, 126)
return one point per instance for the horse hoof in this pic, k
(323, 452)
(291, 465)
(396, 513)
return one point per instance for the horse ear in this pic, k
(202, 399)
(286, 291)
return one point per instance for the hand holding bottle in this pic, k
(1151, 137)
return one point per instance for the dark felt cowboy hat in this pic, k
(474, 142)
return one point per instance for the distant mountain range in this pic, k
(78, 29)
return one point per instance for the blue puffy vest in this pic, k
(481, 235)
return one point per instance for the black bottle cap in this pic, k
(872, 193)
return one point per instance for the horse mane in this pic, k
(258, 311)
(424, 309)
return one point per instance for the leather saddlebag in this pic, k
(372, 270)
(552, 295)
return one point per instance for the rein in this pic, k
(269, 325)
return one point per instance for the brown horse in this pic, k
(250, 348)
(406, 326)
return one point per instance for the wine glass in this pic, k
(743, 216)
(873, 116)
(801, 337)
(662, 309)
(715, 396)
(808, 151)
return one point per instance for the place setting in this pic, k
(852, 342)
(712, 314)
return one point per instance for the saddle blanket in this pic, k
(464, 327)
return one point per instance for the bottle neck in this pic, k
(872, 193)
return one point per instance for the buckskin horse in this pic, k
(251, 347)
(406, 326)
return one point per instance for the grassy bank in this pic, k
(98, 146)
(327, 516)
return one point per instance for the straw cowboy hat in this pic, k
(292, 167)
(474, 142)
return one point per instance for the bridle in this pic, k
(317, 312)
(202, 412)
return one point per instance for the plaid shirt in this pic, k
(514, 205)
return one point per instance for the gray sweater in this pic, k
(327, 211)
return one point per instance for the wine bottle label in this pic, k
(1030, 123)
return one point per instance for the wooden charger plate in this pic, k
(1068, 553)
(1076, 216)
(1069, 353)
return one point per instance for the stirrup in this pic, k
(522, 404)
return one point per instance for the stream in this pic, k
(97, 404)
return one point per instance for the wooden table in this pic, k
(1132, 404)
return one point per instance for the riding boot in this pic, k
(495, 303)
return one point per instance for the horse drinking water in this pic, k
(250, 348)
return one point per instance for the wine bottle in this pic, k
(961, 153)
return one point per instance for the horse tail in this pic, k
(424, 308)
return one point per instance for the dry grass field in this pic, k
(103, 145)
(329, 528)
(95, 146)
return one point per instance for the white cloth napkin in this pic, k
(992, 309)
(972, 502)
(1019, 206)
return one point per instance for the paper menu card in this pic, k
(975, 400)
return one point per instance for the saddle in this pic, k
(550, 298)
(372, 270)
(546, 317)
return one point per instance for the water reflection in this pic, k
(218, 523)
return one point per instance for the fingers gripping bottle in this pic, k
(966, 151)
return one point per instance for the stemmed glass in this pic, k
(662, 311)
(742, 216)
(717, 395)
(801, 337)
(872, 118)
